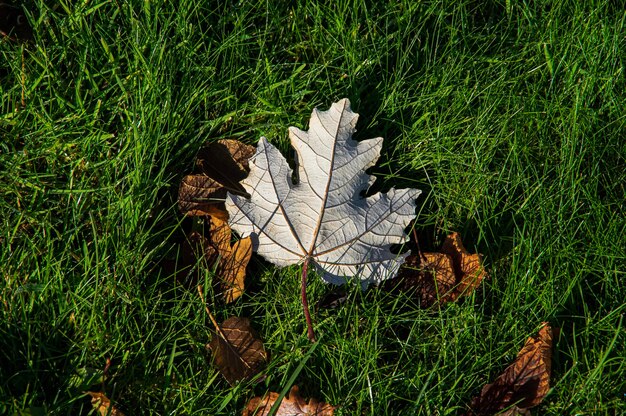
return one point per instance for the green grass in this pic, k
(511, 117)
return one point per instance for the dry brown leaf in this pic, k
(200, 195)
(524, 383)
(437, 278)
(233, 259)
(228, 261)
(430, 279)
(221, 166)
(226, 161)
(292, 405)
(468, 267)
(101, 402)
(238, 350)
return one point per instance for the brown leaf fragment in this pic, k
(437, 278)
(102, 403)
(221, 166)
(524, 383)
(229, 261)
(292, 405)
(226, 161)
(233, 259)
(429, 279)
(238, 350)
(200, 195)
(468, 267)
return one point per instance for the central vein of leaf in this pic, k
(330, 177)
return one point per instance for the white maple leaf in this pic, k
(323, 218)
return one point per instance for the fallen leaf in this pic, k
(232, 259)
(228, 261)
(104, 406)
(200, 195)
(221, 166)
(237, 350)
(430, 278)
(437, 278)
(13, 23)
(292, 405)
(468, 267)
(524, 383)
(226, 161)
(323, 218)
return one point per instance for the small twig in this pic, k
(419, 250)
(105, 373)
(305, 303)
(23, 80)
(211, 317)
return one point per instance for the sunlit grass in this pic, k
(510, 118)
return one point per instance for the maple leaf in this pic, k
(524, 383)
(323, 218)
(291, 405)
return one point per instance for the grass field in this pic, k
(509, 115)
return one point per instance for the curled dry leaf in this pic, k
(228, 260)
(104, 406)
(468, 267)
(221, 166)
(437, 278)
(292, 405)
(232, 259)
(238, 350)
(524, 383)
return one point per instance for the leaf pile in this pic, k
(322, 219)
(221, 165)
(237, 349)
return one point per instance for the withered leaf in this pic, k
(524, 383)
(232, 259)
(104, 406)
(238, 350)
(229, 261)
(292, 405)
(468, 267)
(200, 195)
(437, 278)
(220, 165)
(226, 161)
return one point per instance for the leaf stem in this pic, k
(305, 303)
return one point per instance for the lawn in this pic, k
(509, 116)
